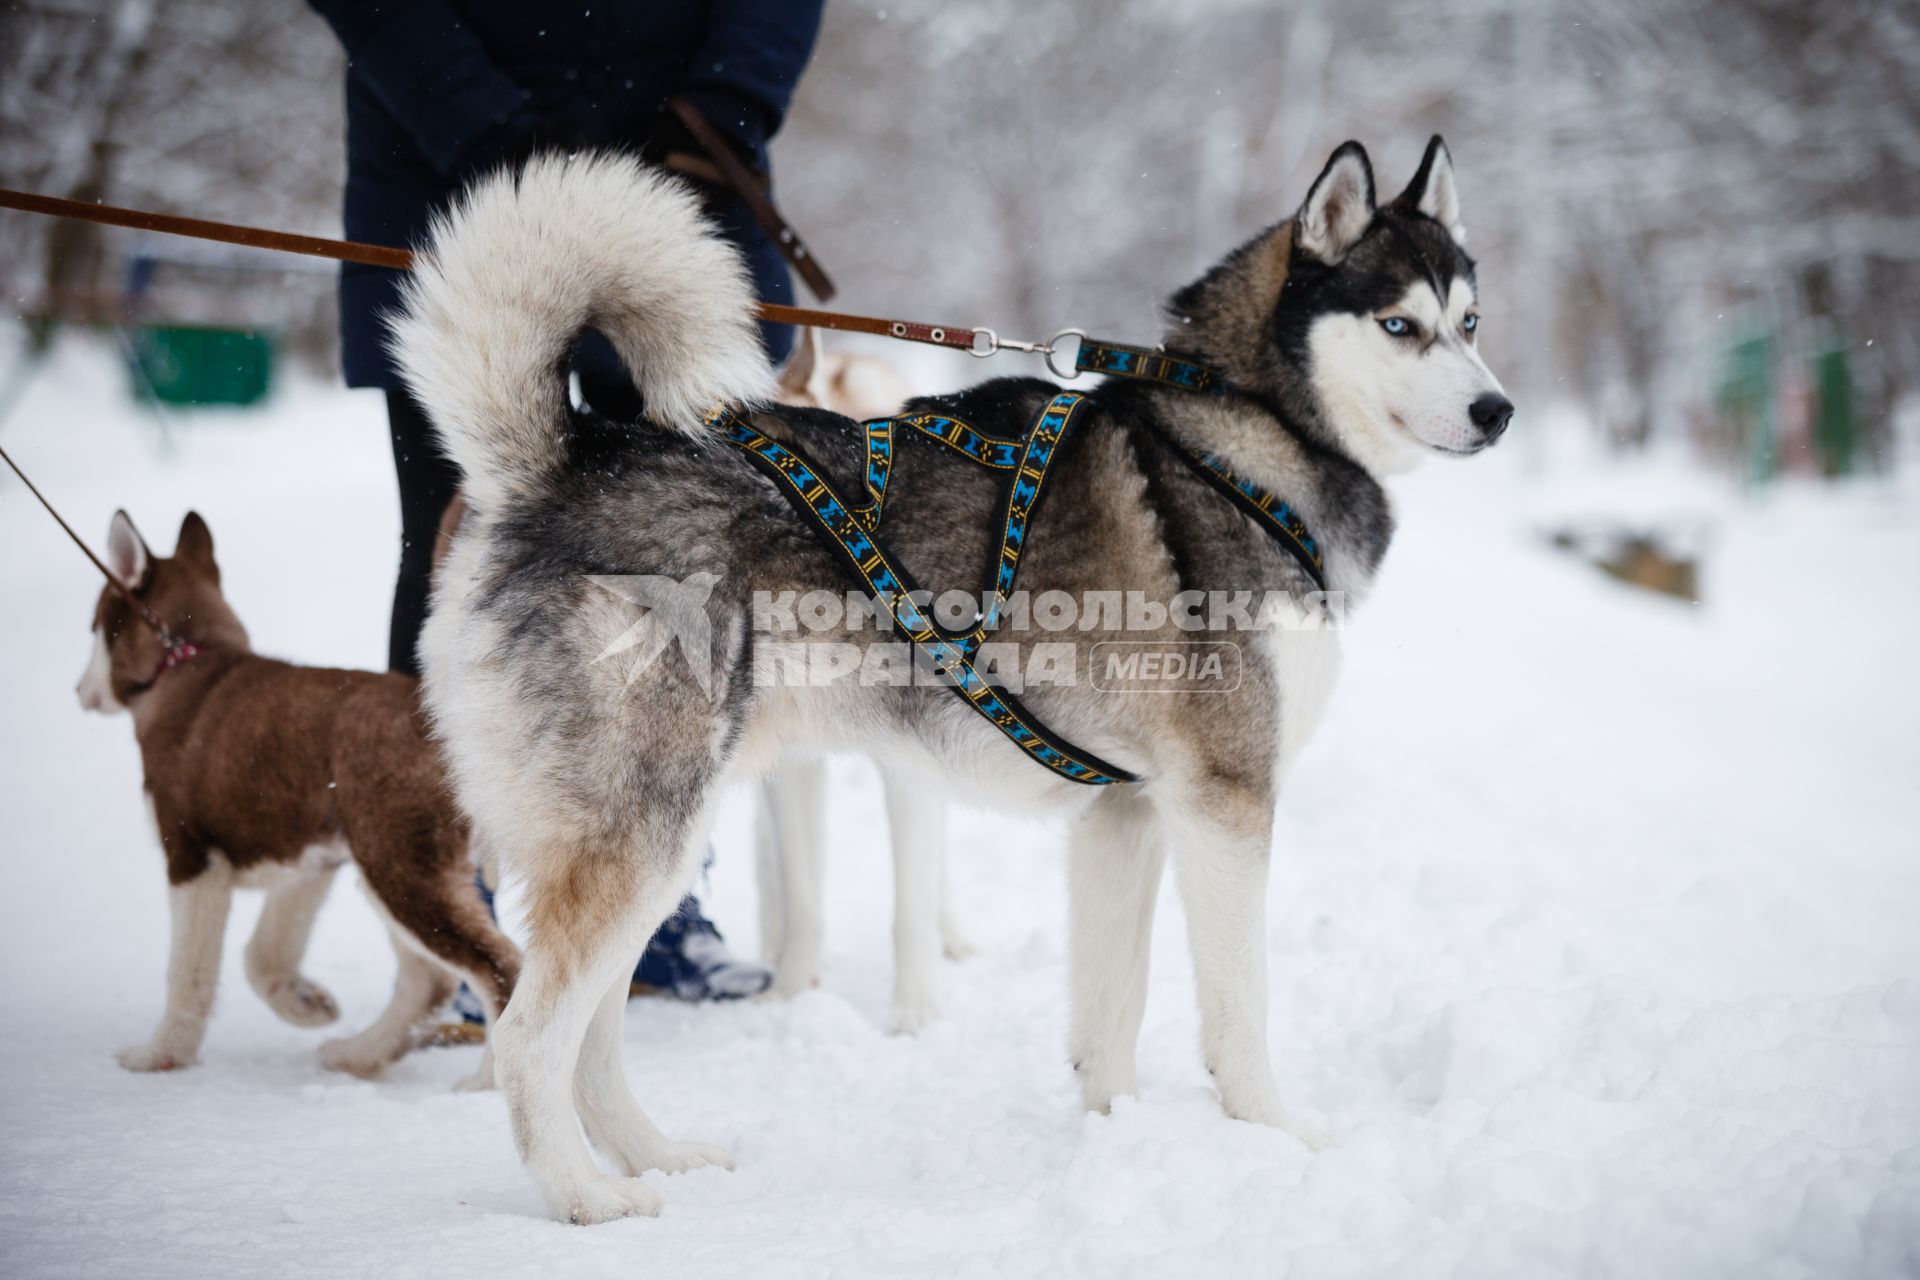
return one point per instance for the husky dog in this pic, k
(261, 774)
(1346, 338)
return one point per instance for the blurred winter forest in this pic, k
(1696, 220)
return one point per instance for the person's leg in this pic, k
(428, 482)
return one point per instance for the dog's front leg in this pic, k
(1223, 844)
(953, 936)
(1117, 856)
(199, 910)
(792, 862)
(279, 943)
(916, 823)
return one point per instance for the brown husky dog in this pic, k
(264, 774)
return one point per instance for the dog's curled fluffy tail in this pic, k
(522, 263)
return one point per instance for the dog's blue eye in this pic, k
(1471, 323)
(1396, 326)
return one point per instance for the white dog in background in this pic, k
(791, 832)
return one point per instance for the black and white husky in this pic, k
(1347, 337)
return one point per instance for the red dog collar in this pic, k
(178, 652)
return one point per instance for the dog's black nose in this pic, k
(1490, 413)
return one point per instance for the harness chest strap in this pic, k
(1268, 510)
(1028, 461)
(806, 487)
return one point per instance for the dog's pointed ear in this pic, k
(1432, 190)
(1339, 208)
(194, 546)
(127, 553)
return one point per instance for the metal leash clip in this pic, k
(988, 343)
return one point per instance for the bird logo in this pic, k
(672, 610)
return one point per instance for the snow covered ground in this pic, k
(1595, 938)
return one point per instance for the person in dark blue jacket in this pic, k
(439, 91)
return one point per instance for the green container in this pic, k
(1746, 408)
(186, 364)
(1834, 434)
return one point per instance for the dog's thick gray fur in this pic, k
(1346, 337)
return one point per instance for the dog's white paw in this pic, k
(354, 1058)
(787, 984)
(148, 1057)
(1101, 1083)
(684, 1157)
(303, 1003)
(635, 1150)
(605, 1199)
(1263, 1110)
(913, 1013)
(954, 944)
(1314, 1139)
(482, 1078)
(669, 1157)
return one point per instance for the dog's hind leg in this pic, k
(608, 1111)
(916, 823)
(1222, 849)
(200, 908)
(280, 941)
(791, 840)
(1118, 852)
(591, 909)
(420, 985)
(474, 948)
(435, 909)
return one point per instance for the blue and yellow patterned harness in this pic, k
(852, 529)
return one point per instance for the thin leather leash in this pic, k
(958, 337)
(134, 602)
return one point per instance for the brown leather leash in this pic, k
(980, 342)
(139, 606)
